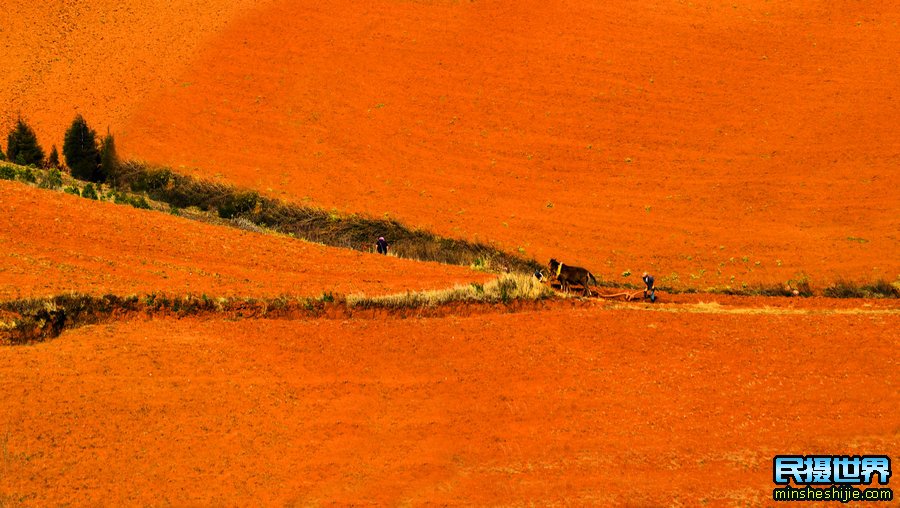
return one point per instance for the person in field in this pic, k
(651, 289)
(381, 246)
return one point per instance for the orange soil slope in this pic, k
(52, 242)
(701, 139)
(100, 58)
(590, 407)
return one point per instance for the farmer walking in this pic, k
(381, 245)
(648, 280)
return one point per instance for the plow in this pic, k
(627, 296)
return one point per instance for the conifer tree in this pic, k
(22, 146)
(109, 159)
(53, 159)
(80, 151)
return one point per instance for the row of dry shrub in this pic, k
(313, 224)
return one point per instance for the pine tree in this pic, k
(22, 145)
(53, 159)
(80, 151)
(109, 159)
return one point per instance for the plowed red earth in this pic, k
(98, 58)
(585, 407)
(712, 143)
(700, 140)
(52, 242)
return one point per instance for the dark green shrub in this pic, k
(118, 198)
(7, 172)
(52, 179)
(80, 151)
(121, 198)
(882, 288)
(27, 175)
(847, 289)
(89, 192)
(22, 145)
(72, 190)
(140, 202)
(844, 289)
(237, 203)
(131, 175)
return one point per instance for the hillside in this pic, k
(54, 243)
(702, 141)
(709, 141)
(99, 58)
(727, 147)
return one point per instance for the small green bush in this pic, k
(7, 172)
(882, 288)
(89, 192)
(237, 203)
(52, 179)
(140, 202)
(121, 198)
(844, 289)
(27, 175)
(72, 190)
(848, 289)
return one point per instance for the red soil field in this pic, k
(582, 406)
(51, 242)
(704, 139)
(700, 140)
(99, 58)
(712, 143)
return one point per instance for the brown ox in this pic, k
(567, 275)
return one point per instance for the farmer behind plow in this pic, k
(648, 280)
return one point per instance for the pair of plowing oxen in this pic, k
(568, 275)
